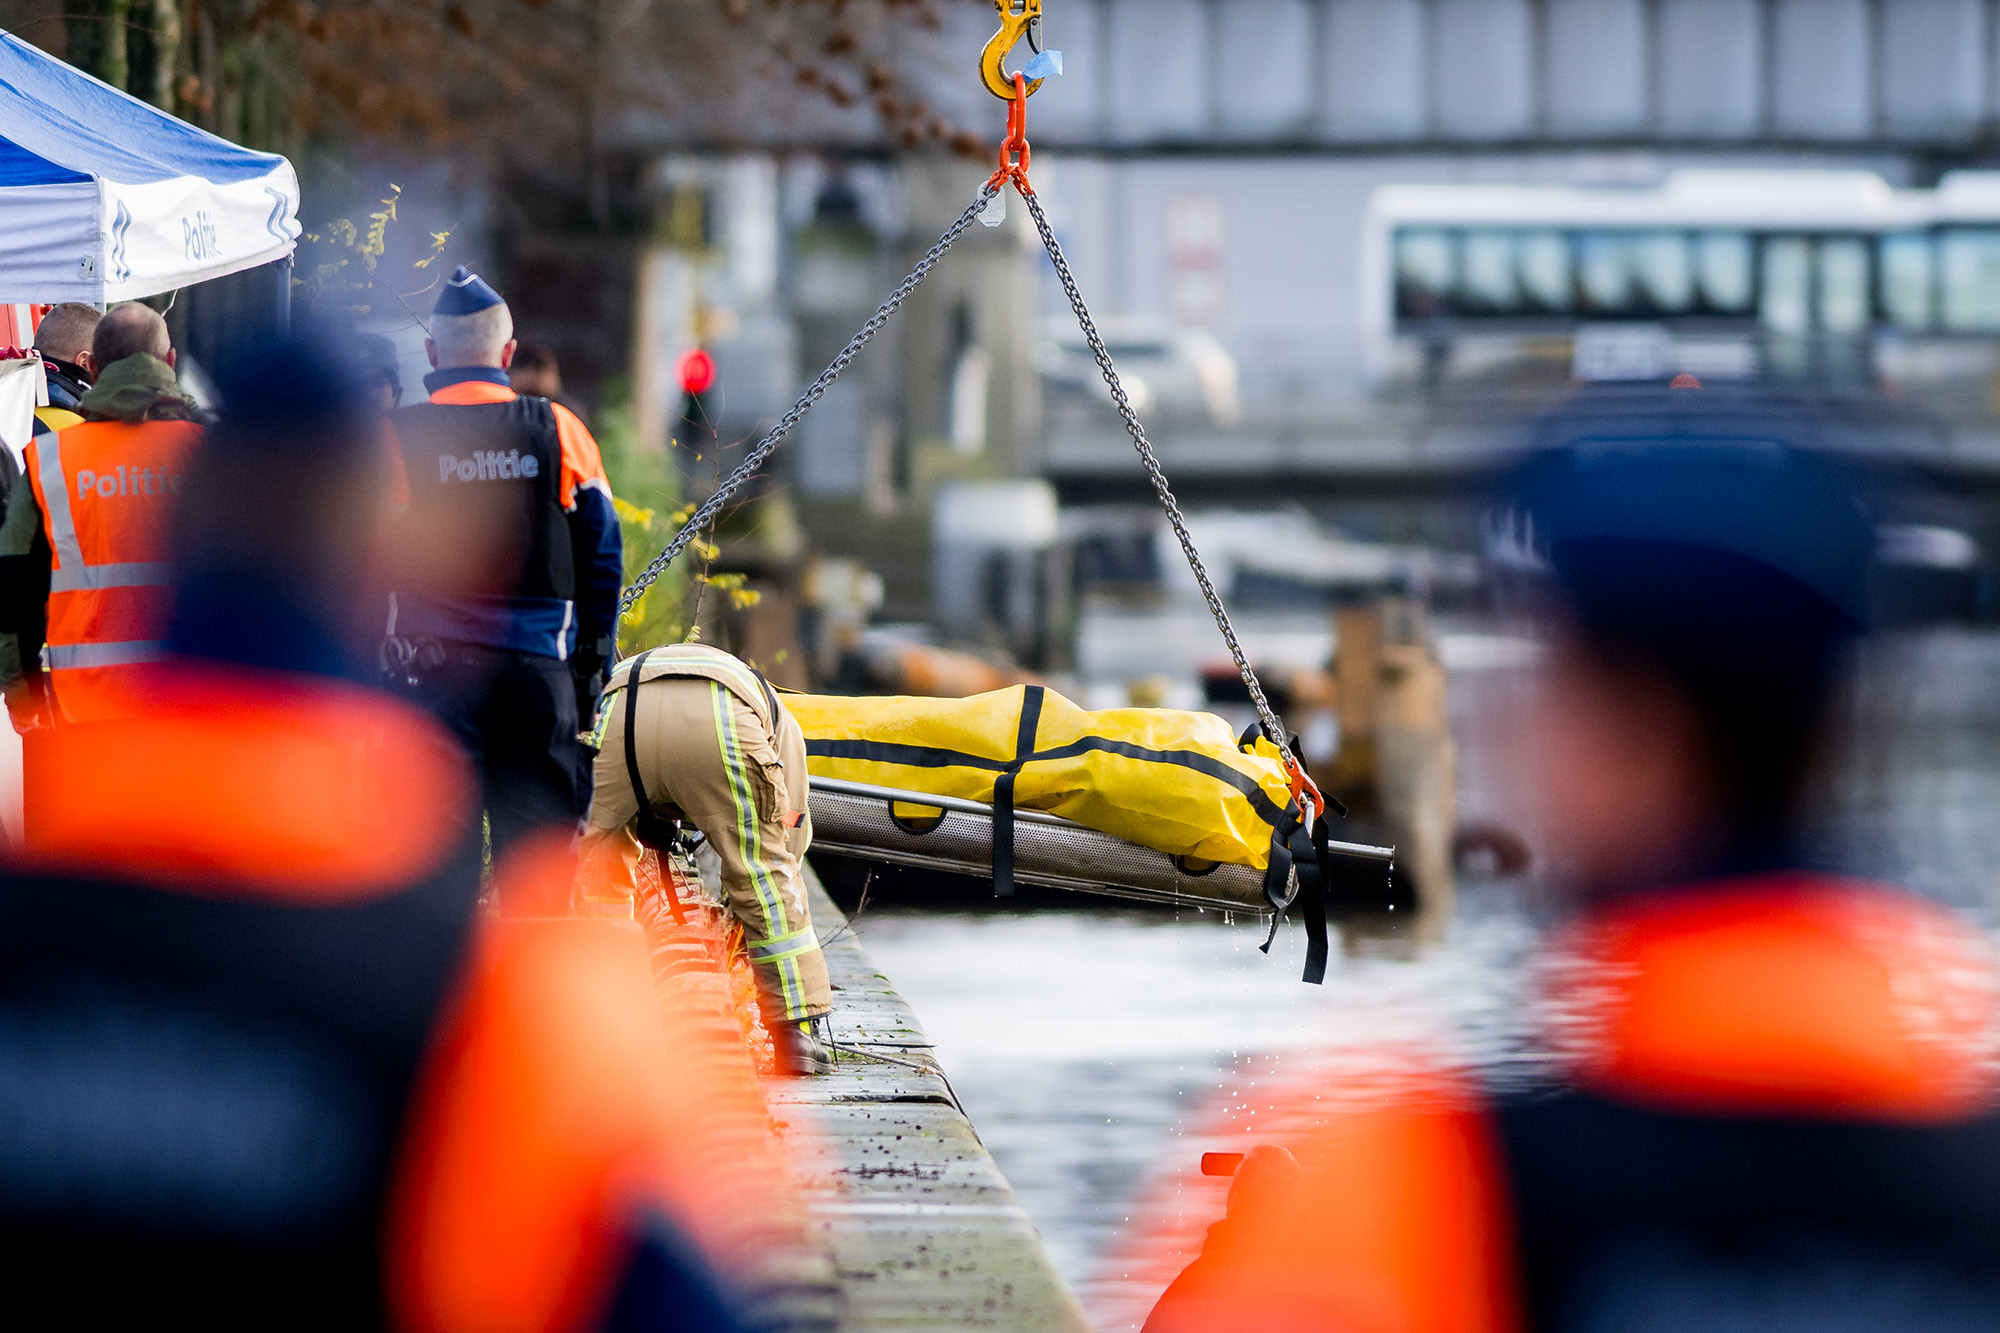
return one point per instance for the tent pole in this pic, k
(281, 295)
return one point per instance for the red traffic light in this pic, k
(696, 370)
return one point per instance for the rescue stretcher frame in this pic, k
(860, 820)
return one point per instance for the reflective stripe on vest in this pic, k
(94, 578)
(73, 656)
(71, 573)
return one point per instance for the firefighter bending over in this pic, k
(715, 748)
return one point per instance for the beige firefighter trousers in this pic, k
(707, 758)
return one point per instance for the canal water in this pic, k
(1086, 1042)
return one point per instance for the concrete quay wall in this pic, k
(924, 1231)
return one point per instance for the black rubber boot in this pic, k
(804, 1046)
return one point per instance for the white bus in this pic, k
(1719, 272)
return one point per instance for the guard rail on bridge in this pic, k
(1462, 439)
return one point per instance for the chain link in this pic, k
(1265, 713)
(755, 458)
(1267, 716)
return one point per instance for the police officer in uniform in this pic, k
(507, 627)
(64, 340)
(83, 547)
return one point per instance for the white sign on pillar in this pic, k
(1197, 290)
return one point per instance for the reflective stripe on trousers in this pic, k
(71, 573)
(727, 778)
(787, 945)
(749, 840)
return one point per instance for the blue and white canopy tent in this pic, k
(104, 198)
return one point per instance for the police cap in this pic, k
(465, 293)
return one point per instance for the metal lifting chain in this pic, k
(755, 458)
(1268, 716)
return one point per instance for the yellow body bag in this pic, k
(1170, 780)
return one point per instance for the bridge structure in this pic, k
(1909, 78)
(1455, 445)
(1211, 163)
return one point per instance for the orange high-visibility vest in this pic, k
(105, 489)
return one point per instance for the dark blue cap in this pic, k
(1735, 570)
(465, 293)
(1782, 509)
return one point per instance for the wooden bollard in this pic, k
(1396, 760)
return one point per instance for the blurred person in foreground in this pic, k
(1770, 1102)
(507, 624)
(63, 338)
(715, 747)
(266, 1066)
(83, 546)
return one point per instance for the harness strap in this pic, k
(1003, 792)
(651, 830)
(1278, 888)
(771, 698)
(1310, 855)
(1301, 853)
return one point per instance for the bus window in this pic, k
(1787, 283)
(1545, 270)
(1489, 281)
(1908, 279)
(1663, 271)
(1604, 272)
(1970, 258)
(1722, 262)
(1426, 271)
(1843, 284)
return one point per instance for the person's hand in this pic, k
(590, 669)
(29, 706)
(589, 693)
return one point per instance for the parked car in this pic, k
(1167, 372)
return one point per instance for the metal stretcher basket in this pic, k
(952, 834)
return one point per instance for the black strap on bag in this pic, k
(1279, 890)
(1003, 791)
(1296, 848)
(1310, 855)
(651, 830)
(1300, 853)
(1279, 886)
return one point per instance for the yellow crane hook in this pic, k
(1018, 18)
